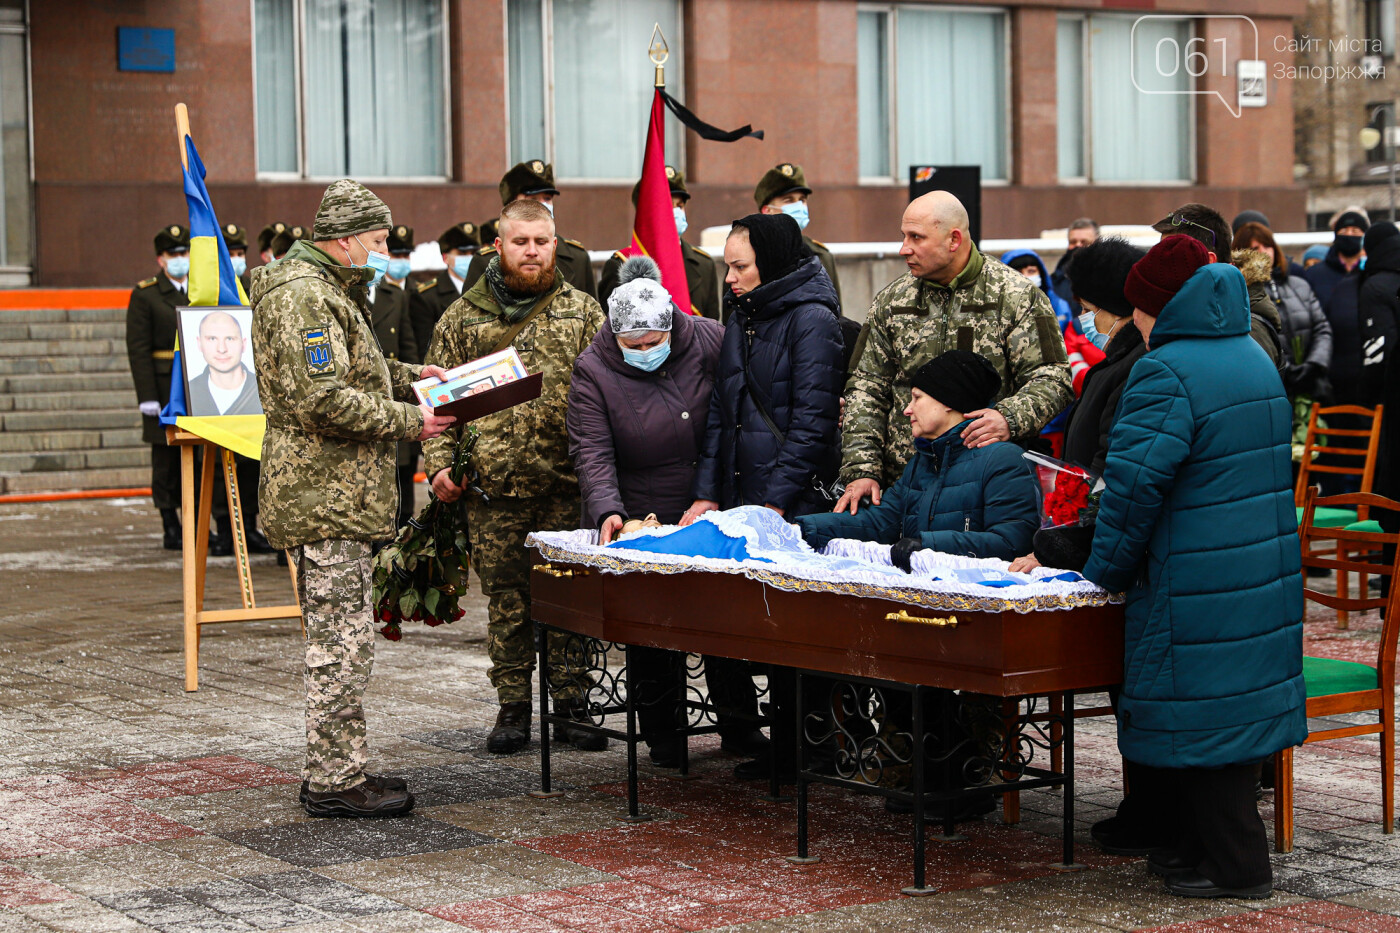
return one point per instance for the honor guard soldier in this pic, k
(534, 181)
(783, 190)
(336, 409)
(488, 230)
(388, 313)
(284, 240)
(701, 277)
(458, 244)
(265, 236)
(151, 323)
(236, 239)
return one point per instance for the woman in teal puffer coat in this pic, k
(1197, 525)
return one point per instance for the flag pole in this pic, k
(182, 129)
(659, 52)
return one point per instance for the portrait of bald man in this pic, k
(227, 385)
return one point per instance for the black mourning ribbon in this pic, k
(703, 129)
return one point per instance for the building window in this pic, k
(931, 86)
(580, 83)
(16, 203)
(1379, 16)
(332, 74)
(1123, 101)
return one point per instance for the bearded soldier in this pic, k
(328, 485)
(522, 458)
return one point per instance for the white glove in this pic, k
(150, 409)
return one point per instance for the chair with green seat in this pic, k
(1357, 461)
(1340, 687)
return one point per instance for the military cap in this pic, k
(465, 235)
(266, 234)
(490, 230)
(673, 175)
(783, 178)
(235, 237)
(533, 177)
(400, 239)
(173, 237)
(349, 208)
(284, 240)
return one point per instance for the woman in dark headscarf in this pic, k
(771, 438)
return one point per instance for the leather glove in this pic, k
(150, 409)
(902, 551)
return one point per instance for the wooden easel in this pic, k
(196, 548)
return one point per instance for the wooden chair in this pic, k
(1363, 464)
(1338, 687)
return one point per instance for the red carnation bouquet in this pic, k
(421, 576)
(1069, 495)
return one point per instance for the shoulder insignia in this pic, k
(575, 243)
(426, 285)
(486, 251)
(701, 252)
(818, 243)
(316, 344)
(618, 255)
(146, 283)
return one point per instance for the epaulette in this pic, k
(146, 283)
(702, 252)
(486, 251)
(426, 285)
(618, 255)
(819, 243)
(575, 243)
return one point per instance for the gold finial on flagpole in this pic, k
(659, 52)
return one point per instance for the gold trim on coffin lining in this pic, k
(782, 581)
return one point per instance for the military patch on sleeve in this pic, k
(316, 344)
(1052, 341)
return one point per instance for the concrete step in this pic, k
(62, 363)
(117, 457)
(69, 330)
(62, 481)
(36, 441)
(82, 348)
(50, 461)
(100, 419)
(59, 315)
(65, 382)
(67, 401)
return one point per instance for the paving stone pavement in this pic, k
(128, 804)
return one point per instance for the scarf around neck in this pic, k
(513, 304)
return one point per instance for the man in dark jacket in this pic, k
(1209, 559)
(973, 502)
(1342, 258)
(428, 302)
(389, 307)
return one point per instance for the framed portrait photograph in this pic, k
(216, 349)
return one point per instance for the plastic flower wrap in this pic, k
(1069, 495)
(421, 576)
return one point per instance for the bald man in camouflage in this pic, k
(336, 410)
(952, 297)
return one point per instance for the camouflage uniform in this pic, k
(989, 309)
(328, 464)
(522, 462)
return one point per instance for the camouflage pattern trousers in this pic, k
(497, 530)
(335, 586)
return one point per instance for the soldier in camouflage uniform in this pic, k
(328, 481)
(522, 459)
(952, 298)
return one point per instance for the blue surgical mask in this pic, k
(460, 265)
(681, 222)
(398, 269)
(240, 265)
(1035, 280)
(177, 267)
(798, 212)
(1086, 324)
(647, 360)
(379, 262)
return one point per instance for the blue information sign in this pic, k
(145, 49)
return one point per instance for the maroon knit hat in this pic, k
(1155, 279)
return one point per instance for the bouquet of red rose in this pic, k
(1069, 495)
(423, 573)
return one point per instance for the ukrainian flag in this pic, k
(211, 281)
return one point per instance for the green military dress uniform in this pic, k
(786, 178)
(523, 466)
(701, 276)
(988, 308)
(389, 316)
(570, 256)
(428, 301)
(328, 465)
(151, 324)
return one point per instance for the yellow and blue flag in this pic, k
(212, 280)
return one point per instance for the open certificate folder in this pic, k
(481, 387)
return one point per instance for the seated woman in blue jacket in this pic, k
(974, 502)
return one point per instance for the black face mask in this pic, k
(1347, 245)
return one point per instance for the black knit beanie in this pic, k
(962, 380)
(777, 244)
(1097, 273)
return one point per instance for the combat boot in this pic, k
(170, 520)
(365, 799)
(379, 780)
(512, 730)
(581, 739)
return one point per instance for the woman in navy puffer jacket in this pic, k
(771, 438)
